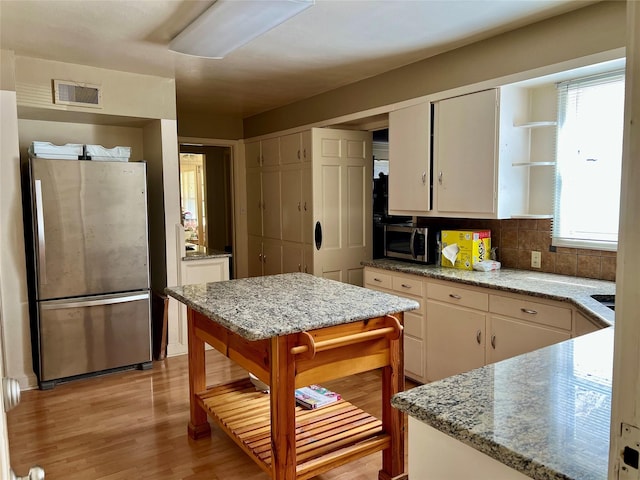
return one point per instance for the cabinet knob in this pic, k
(529, 311)
(260, 256)
(479, 337)
(493, 341)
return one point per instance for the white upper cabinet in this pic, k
(472, 156)
(409, 162)
(465, 133)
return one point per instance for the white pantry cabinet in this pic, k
(280, 203)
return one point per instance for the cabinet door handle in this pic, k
(377, 280)
(440, 178)
(479, 337)
(493, 341)
(305, 206)
(260, 257)
(404, 285)
(299, 209)
(299, 267)
(528, 311)
(424, 178)
(306, 270)
(453, 295)
(298, 154)
(264, 259)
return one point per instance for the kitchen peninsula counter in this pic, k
(545, 414)
(574, 290)
(290, 331)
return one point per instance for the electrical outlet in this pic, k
(535, 259)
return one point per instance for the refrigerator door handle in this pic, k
(42, 264)
(90, 302)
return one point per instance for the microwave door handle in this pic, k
(412, 247)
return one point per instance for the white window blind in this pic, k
(588, 161)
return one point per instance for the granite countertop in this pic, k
(263, 307)
(574, 290)
(545, 413)
(202, 253)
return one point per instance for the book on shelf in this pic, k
(315, 396)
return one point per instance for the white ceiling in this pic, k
(333, 43)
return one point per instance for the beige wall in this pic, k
(593, 29)
(7, 71)
(205, 125)
(123, 94)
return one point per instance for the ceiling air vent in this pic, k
(80, 94)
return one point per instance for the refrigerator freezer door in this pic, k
(90, 221)
(90, 334)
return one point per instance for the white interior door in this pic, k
(8, 401)
(342, 203)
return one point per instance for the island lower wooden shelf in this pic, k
(325, 438)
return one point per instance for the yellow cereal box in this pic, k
(474, 246)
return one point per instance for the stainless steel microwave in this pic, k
(407, 242)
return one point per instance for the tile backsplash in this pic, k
(515, 239)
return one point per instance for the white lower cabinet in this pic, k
(471, 327)
(436, 455)
(412, 287)
(455, 339)
(459, 328)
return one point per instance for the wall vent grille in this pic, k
(80, 94)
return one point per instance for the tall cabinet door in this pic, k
(271, 221)
(465, 139)
(342, 203)
(291, 178)
(254, 201)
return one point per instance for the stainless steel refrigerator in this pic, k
(89, 282)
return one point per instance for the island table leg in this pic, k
(198, 425)
(393, 419)
(283, 410)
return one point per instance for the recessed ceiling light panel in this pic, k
(230, 24)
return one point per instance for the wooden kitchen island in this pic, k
(290, 331)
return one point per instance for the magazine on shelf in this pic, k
(315, 396)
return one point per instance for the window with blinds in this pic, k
(588, 161)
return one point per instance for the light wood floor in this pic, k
(133, 425)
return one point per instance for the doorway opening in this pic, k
(206, 197)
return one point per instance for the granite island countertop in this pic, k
(264, 307)
(574, 290)
(544, 413)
